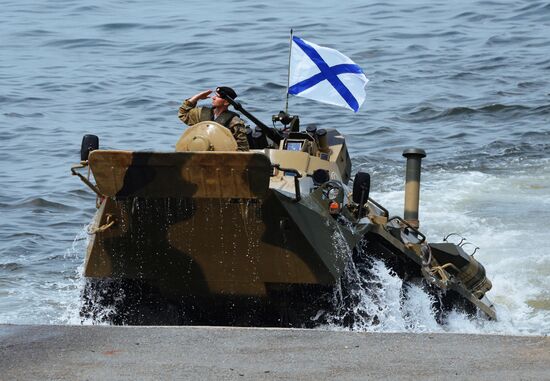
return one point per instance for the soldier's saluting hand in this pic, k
(190, 114)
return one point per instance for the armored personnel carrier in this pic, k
(209, 235)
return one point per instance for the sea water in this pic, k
(466, 81)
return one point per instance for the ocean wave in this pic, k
(171, 48)
(119, 26)
(38, 203)
(417, 48)
(531, 154)
(24, 100)
(86, 9)
(501, 40)
(22, 235)
(379, 131)
(420, 36)
(465, 75)
(265, 88)
(269, 19)
(531, 84)
(74, 43)
(499, 155)
(534, 8)
(134, 102)
(17, 115)
(473, 16)
(34, 33)
(158, 26)
(11, 266)
(429, 113)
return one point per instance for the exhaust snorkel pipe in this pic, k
(412, 184)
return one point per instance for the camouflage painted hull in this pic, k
(248, 245)
(216, 246)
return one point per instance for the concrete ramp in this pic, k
(199, 353)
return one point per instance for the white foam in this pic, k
(506, 215)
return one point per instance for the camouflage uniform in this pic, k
(190, 114)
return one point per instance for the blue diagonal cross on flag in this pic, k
(325, 75)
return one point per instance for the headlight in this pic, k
(333, 193)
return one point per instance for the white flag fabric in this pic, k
(325, 75)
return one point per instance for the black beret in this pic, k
(224, 90)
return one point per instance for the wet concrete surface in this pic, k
(213, 353)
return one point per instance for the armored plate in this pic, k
(227, 175)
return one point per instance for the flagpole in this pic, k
(288, 76)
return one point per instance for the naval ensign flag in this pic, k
(325, 75)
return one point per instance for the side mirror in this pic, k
(89, 144)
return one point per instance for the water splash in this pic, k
(70, 293)
(74, 293)
(371, 297)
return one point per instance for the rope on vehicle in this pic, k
(110, 221)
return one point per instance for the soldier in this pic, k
(190, 114)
